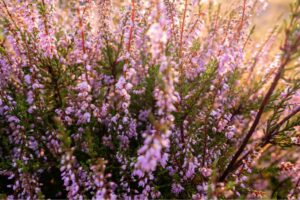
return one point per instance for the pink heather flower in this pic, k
(86, 117)
(157, 37)
(47, 45)
(206, 172)
(157, 34)
(148, 161)
(30, 98)
(27, 79)
(121, 83)
(84, 86)
(31, 109)
(143, 115)
(229, 135)
(191, 169)
(37, 86)
(69, 110)
(164, 160)
(177, 188)
(13, 119)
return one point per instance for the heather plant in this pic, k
(147, 99)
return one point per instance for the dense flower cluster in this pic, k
(145, 99)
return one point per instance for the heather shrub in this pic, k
(147, 99)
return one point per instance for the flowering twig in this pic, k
(182, 26)
(286, 59)
(132, 24)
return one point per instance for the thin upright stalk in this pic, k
(132, 25)
(265, 101)
(182, 26)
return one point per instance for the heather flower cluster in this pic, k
(147, 99)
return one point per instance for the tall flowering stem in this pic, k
(132, 24)
(288, 51)
(183, 26)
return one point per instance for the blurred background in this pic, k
(275, 12)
